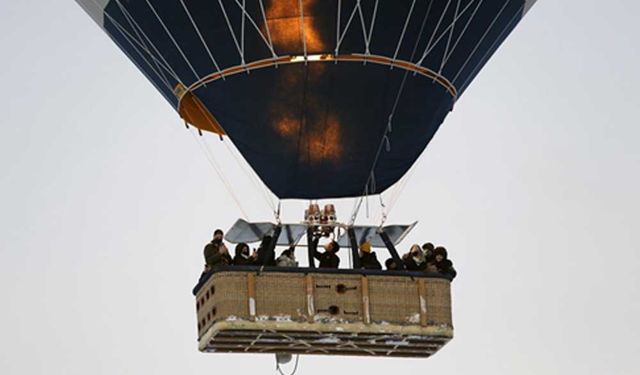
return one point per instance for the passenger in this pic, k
(368, 259)
(216, 254)
(391, 265)
(427, 248)
(243, 256)
(218, 236)
(287, 258)
(442, 264)
(204, 274)
(264, 256)
(415, 260)
(328, 259)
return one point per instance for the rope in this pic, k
(195, 26)
(365, 34)
(455, 78)
(161, 75)
(130, 38)
(463, 31)
(446, 30)
(453, 27)
(266, 25)
(233, 34)
(214, 164)
(175, 43)
(395, 194)
(254, 180)
(295, 367)
(130, 19)
(358, 203)
(344, 32)
(304, 38)
(404, 29)
(493, 46)
(246, 15)
(435, 31)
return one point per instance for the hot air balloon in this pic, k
(323, 99)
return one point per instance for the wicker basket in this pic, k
(324, 313)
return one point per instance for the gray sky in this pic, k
(532, 183)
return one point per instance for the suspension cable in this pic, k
(214, 164)
(384, 139)
(395, 194)
(259, 185)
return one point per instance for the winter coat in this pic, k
(369, 261)
(213, 257)
(412, 265)
(327, 259)
(431, 267)
(445, 267)
(266, 257)
(239, 260)
(285, 261)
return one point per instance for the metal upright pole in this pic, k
(311, 248)
(354, 248)
(270, 253)
(392, 249)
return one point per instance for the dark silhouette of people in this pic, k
(216, 253)
(442, 264)
(243, 255)
(391, 265)
(427, 249)
(415, 259)
(368, 258)
(266, 256)
(287, 258)
(328, 259)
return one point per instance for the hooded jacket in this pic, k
(213, 257)
(240, 260)
(369, 261)
(412, 265)
(327, 259)
(445, 267)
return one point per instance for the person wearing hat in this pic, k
(368, 258)
(442, 264)
(215, 252)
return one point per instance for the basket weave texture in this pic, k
(311, 313)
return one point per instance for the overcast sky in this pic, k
(532, 184)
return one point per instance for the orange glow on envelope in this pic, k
(283, 20)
